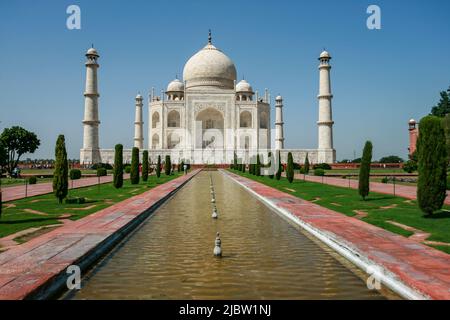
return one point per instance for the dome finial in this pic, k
(209, 37)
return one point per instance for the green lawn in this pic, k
(15, 217)
(9, 182)
(380, 207)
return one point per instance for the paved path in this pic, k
(19, 192)
(28, 269)
(419, 267)
(408, 192)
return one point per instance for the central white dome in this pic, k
(209, 67)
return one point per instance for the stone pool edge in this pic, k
(360, 260)
(52, 283)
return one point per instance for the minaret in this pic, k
(279, 136)
(326, 153)
(139, 124)
(91, 151)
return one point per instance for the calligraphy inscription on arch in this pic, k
(207, 105)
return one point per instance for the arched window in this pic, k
(155, 120)
(173, 119)
(245, 119)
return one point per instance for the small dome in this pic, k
(92, 51)
(175, 85)
(279, 98)
(412, 121)
(244, 86)
(325, 54)
(209, 67)
(139, 97)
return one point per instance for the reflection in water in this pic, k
(264, 257)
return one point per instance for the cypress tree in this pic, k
(280, 167)
(158, 167)
(167, 165)
(258, 165)
(306, 168)
(432, 165)
(290, 168)
(145, 165)
(243, 167)
(269, 155)
(118, 167)
(364, 170)
(134, 173)
(61, 173)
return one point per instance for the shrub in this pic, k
(385, 180)
(432, 160)
(324, 166)
(107, 166)
(61, 173)
(258, 166)
(319, 172)
(158, 167)
(145, 165)
(290, 168)
(167, 166)
(306, 167)
(364, 170)
(118, 167)
(134, 174)
(75, 174)
(101, 172)
(78, 200)
(127, 169)
(32, 180)
(410, 166)
(280, 167)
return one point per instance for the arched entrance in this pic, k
(209, 131)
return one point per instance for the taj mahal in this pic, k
(208, 116)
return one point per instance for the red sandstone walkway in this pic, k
(18, 192)
(26, 268)
(408, 192)
(424, 269)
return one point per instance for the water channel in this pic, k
(264, 257)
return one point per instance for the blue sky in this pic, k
(380, 78)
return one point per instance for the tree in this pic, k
(446, 125)
(167, 165)
(271, 174)
(432, 165)
(443, 107)
(306, 167)
(391, 159)
(158, 167)
(410, 166)
(235, 162)
(145, 165)
(17, 142)
(364, 170)
(290, 168)
(280, 167)
(134, 173)
(61, 173)
(258, 165)
(118, 167)
(243, 167)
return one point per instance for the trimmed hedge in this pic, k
(75, 174)
(32, 180)
(101, 172)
